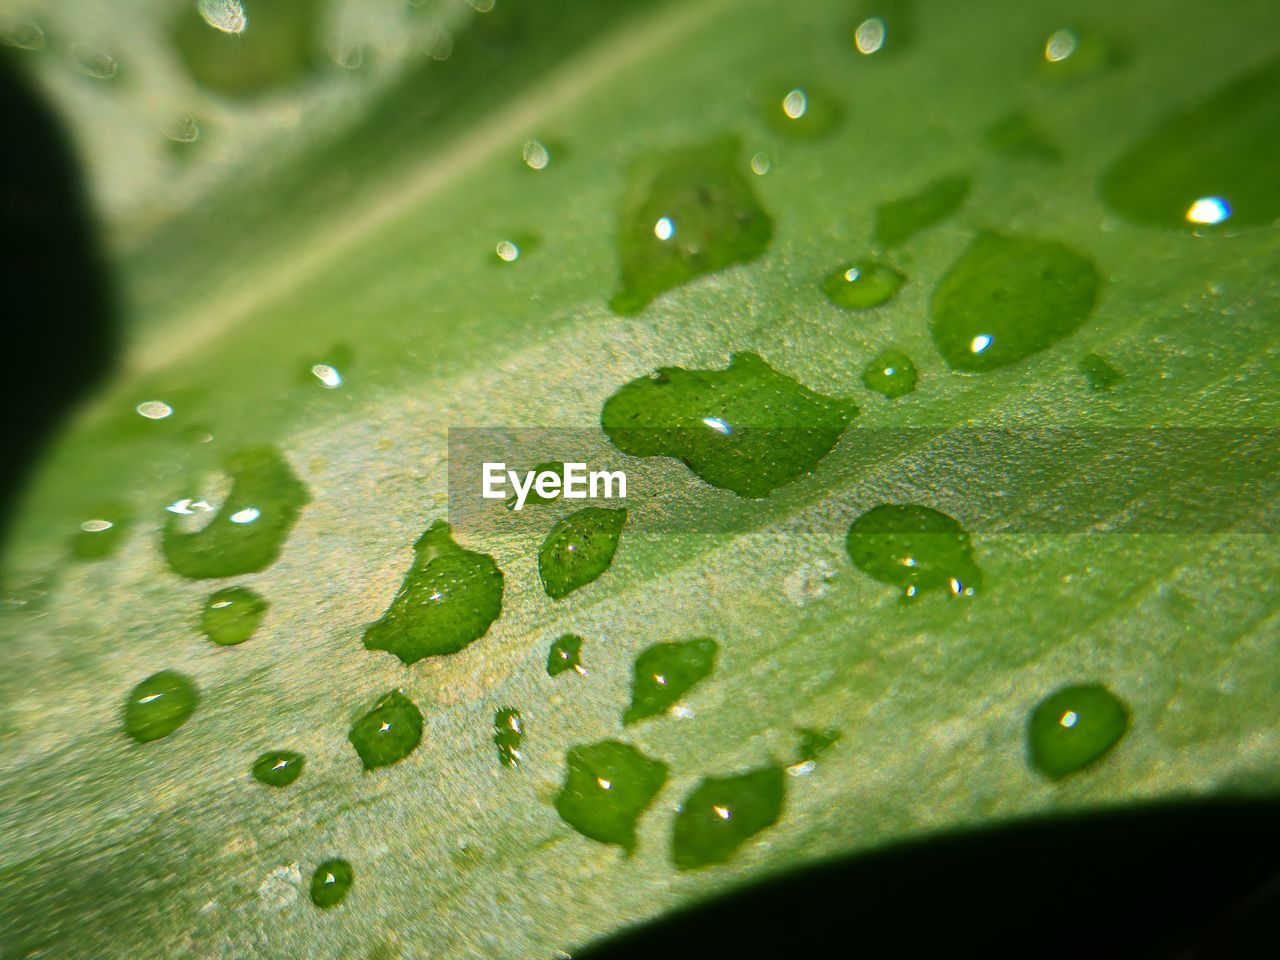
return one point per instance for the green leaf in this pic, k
(347, 224)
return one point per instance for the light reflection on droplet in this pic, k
(154, 409)
(507, 251)
(979, 343)
(722, 812)
(718, 425)
(225, 15)
(760, 163)
(96, 526)
(664, 228)
(604, 784)
(1208, 210)
(536, 155)
(328, 376)
(795, 103)
(852, 274)
(1060, 45)
(247, 515)
(1069, 719)
(869, 37)
(187, 506)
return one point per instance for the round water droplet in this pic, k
(891, 373)
(665, 672)
(862, 285)
(800, 111)
(331, 883)
(536, 155)
(607, 787)
(870, 35)
(159, 705)
(507, 251)
(278, 768)
(232, 615)
(914, 547)
(387, 733)
(1072, 54)
(723, 813)
(761, 163)
(1074, 727)
(579, 549)
(100, 535)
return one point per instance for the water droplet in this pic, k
(748, 428)
(1015, 135)
(565, 654)
(226, 51)
(814, 743)
(881, 26)
(225, 15)
(448, 600)
(22, 34)
(914, 547)
(389, 732)
(870, 35)
(1100, 374)
(329, 369)
(1073, 727)
(508, 734)
(182, 130)
(1071, 54)
(93, 62)
(714, 222)
(1207, 167)
(579, 549)
(666, 672)
(803, 112)
(159, 705)
(536, 155)
(250, 527)
(862, 285)
(1007, 298)
(101, 534)
(154, 410)
(278, 768)
(761, 163)
(607, 787)
(331, 882)
(723, 813)
(891, 373)
(900, 220)
(232, 615)
(513, 248)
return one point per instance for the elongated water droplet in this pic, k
(801, 111)
(565, 654)
(508, 727)
(862, 285)
(579, 549)
(1208, 168)
(1007, 298)
(448, 600)
(102, 533)
(1100, 375)
(689, 213)
(666, 672)
(249, 529)
(1015, 135)
(900, 220)
(748, 428)
(607, 787)
(914, 547)
(1073, 727)
(159, 705)
(278, 768)
(891, 373)
(232, 615)
(389, 732)
(723, 813)
(331, 883)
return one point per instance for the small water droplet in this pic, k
(862, 285)
(723, 813)
(802, 112)
(1074, 727)
(278, 768)
(665, 672)
(689, 212)
(225, 15)
(536, 155)
(1073, 54)
(891, 373)
(881, 26)
(387, 733)
(448, 600)
(154, 410)
(761, 163)
(1100, 375)
(607, 787)
(778, 430)
(1007, 298)
(159, 705)
(101, 534)
(579, 548)
(870, 35)
(914, 547)
(232, 615)
(1015, 135)
(565, 654)
(182, 129)
(331, 883)
(900, 220)
(508, 727)
(22, 34)
(93, 62)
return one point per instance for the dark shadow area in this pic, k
(57, 332)
(1185, 882)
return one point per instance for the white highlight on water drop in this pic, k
(1208, 210)
(664, 229)
(225, 15)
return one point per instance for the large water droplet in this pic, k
(278, 768)
(607, 787)
(1216, 164)
(723, 813)
(1007, 298)
(748, 428)
(387, 733)
(890, 373)
(899, 220)
(579, 549)
(508, 734)
(862, 285)
(247, 532)
(565, 654)
(1073, 727)
(159, 705)
(232, 615)
(448, 599)
(666, 672)
(689, 212)
(331, 883)
(914, 547)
